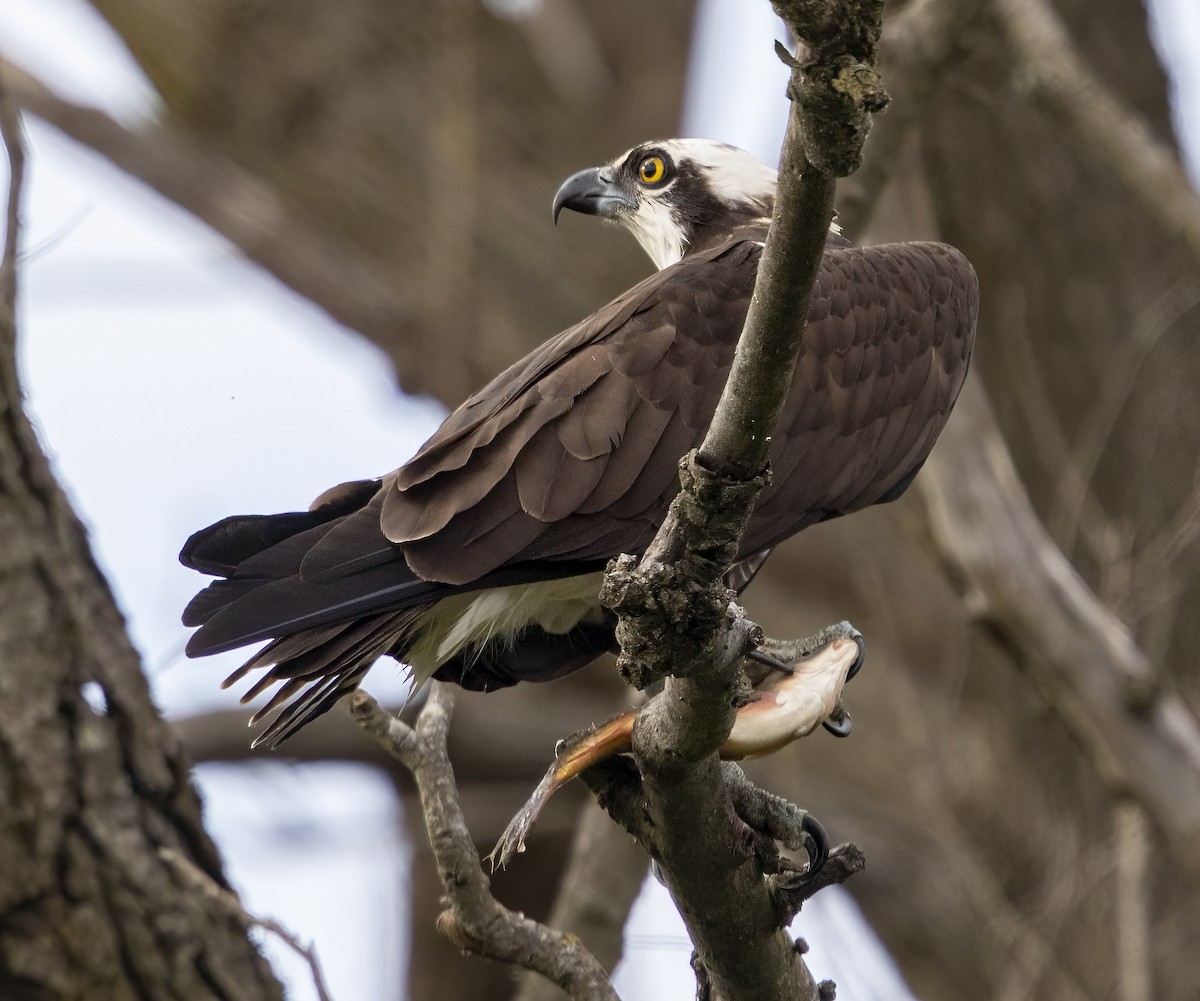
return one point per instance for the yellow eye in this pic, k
(652, 170)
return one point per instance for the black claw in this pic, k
(838, 722)
(774, 663)
(862, 654)
(816, 843)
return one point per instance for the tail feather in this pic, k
(317, 700)
(326, 674)
(283, 559)
(285, 648)
(278, 561)
(338, 648)
(222, 548)
(285, 607)
(331, 594)
(281, 695)
(218, 595)
(325, 634)
(353, 544)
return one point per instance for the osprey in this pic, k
(479, 560)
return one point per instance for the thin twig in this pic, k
(1131, 845)
(1174, 538)
(306, 952)
(919, 47)
(1155, 572)
(1026, 948)
(201, 882)
(1115, 389)
(473, 919)
(1048, 436)
(14, 147)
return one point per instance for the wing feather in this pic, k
(592, 461)
(571, 455)
(889, 343)
(640, 436)
(653, 346)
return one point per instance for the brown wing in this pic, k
(886, 351)
(572, 454)
(571, 457)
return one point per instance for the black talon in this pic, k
(774, 663)
(838, 722)
(862, 653)
(816, 843)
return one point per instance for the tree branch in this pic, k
(675, 618)
(918, 48)
(1132, 848)
(14, 148)
(833, 97)
(1143, 742)
(1100, 420)
(235, 203)
(92, 792)
(473, 920)
(1051, 66)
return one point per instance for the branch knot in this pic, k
(667, 617)
(672, 602)
(837, 88)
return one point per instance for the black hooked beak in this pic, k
(593, 192)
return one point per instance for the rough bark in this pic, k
(675, 618)
(97, 799)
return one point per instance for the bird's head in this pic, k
(674, 194)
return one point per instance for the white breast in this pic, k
(497, 615)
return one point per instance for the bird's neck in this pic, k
(707, 239)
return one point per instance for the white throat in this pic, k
(655, 228)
